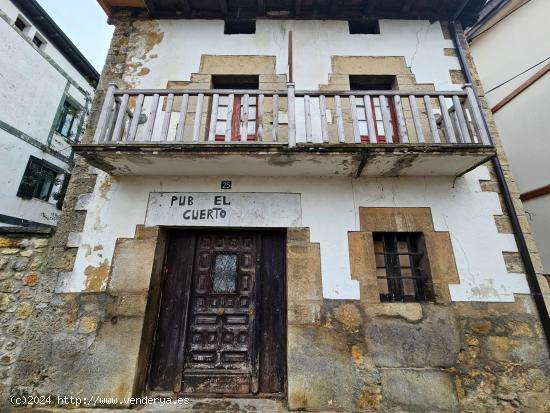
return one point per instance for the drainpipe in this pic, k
(532, 278)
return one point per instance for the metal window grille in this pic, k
(400, 267)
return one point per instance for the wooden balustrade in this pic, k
(290, 117)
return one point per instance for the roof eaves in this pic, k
(49, 29)
(489, 10)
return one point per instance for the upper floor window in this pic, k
(38, 41)
(231, 113)
(39, 180)
(21, 24)
(68, 121)
(364, 27)
(369, 83)
(401, 267)
(240, 27)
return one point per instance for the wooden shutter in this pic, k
(30, 179)
(63, 191)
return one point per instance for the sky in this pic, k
(85, 23)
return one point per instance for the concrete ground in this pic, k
(197, 406)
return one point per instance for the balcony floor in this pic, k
(268, 159)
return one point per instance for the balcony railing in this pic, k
(290, 118)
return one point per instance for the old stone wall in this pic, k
(373, 356)
(22, 258)
(420, 358)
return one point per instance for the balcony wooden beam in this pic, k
(407, 6)
(297, 7)
(261, 8)
(186, 7)
(223, 7)
(329, 9)
(151, 6)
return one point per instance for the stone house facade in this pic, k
(291, 209)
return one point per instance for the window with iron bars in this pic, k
(401, 267)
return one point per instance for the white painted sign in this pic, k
(227, 209)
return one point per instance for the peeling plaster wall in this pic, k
(159, 51)
(330, 209)
(167, 49)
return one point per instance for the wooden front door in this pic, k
(222, 310)
(220, 351)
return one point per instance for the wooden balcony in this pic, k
(288, 133)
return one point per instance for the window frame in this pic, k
(32, 190)
(420, 278)
(237, 82)
(235, 27)
(213, 272)
(371, 26)
(75, 122)
(368, 82)
(40, 39)
(24, 22)
(376, 108)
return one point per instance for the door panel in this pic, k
(220, 351)
(222, 318)
(167, 358)
(272, 314)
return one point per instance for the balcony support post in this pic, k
(362, 163)
(476, 113)
(102, 123)
(291, 116)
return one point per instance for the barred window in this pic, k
(401, 267)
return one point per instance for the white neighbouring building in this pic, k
(47, 88)
(510, 47)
